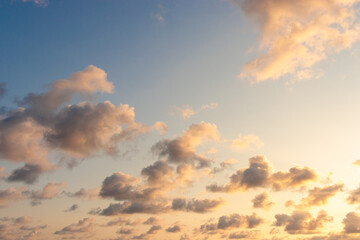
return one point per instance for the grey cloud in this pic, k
(302, 222)
(260, 174)
(82, 226)
(154, 229)
(72, 208)
(196, 205)
(262, 201)
(174, 229)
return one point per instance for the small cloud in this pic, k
(244, 142)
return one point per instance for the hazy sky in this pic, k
(187, 119)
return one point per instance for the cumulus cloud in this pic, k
(174, 229)
(318, 196)
(121, 186)
(183, 149)
(151, 221)
(244, 142)
(302, 222)
(11, 195)
(44, 124)
(260, 174)
(313, 30)
(352, 223)
(262, 201)
(19, 228)
(49, 191)
(84, 193)
(127, 207)
(72, 208)
(196, 205)
(232, 221)
(244, 235)
(154, 229)
(82, 226)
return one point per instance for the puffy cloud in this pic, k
(232, 221)
(49, 191)
(183, 148)
(352, 223)
(260, 174)
(125, 231)
(244, 235)
(72, 208)
(128, 207)
(43, 124)
(161, 127)
(262, 201)
(122, 221)
(175, 228)
(121, 186)
(295, 177)
(28, 173)
(302, 222)
(196, 205)
(354, 196)
(319, 196)
(19, 228)
(82, 226)
(224, 165)
(100, 132)
(154, 229)
(159, 173)
(151, 221)
(256, 175)
(10, 195)
(244, 142)
(84, 193)
(313, 30)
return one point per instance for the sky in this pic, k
(179, 120)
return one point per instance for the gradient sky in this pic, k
(164, 119)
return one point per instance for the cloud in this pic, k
(244, 142)
(161, 127)
(174, 229)
(232, 221)
(82, 226)
(313, 31)
(19, 228)
(260, 174)
(43, 124)
(49, 191)
(28, 173)
(127, 207)
(196, 205)
(10, 195)
(151, 221)
(186, 111)
(125, 231)
(262, 201)
(244, 235)
(154, 229)
(302, 222)
(121, 186)
(72, 208)
(40, 3)
(84, 193)
(318, 196)
(183, 148)
(352, 223)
